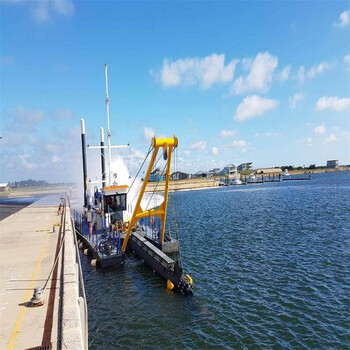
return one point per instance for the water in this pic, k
(10, 205)
(271, 267)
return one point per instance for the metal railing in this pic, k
(81, 287)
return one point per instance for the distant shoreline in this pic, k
(174, 185)
(33, 191)
(206, 183)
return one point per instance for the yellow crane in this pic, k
(168, 145)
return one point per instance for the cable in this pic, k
(149, 151)
(61, 245)
(155, 188)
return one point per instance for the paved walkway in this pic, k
(28, 248)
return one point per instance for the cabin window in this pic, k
(116, 202)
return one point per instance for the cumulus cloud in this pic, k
(260, 75)
(347, 59)
(320, 129)
(334, 103)
(308, 141)
(284, 75)
(238, 144)
(318, 69)
(293, 100)
(64, 7)
(331, 138)
(337, 136)
(148, 133)
(200, 145)
(24, 119)
(205, 71)
(27, 164)
(254, 106)
(214, 151)
(344, 20)
(43, 11)
(227, 133)
(301, 75)
(315, 70)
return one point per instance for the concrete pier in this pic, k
(30, 241)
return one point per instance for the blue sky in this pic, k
(261, 81)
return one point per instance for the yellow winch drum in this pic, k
(171, 142)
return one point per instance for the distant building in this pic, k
(245, 166)
(333, 163)
(229, 169)
(179, 175)
(156, 175)
(200, 173)
(4, 187)
(269, 171)
(215, 171)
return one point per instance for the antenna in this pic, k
(108, 131)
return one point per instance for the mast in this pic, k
(103, 158)
(84, 162)
(108, 132)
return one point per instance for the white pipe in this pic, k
(82, 126)
(102, 135)
(108, 131)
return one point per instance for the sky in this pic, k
(266, 82)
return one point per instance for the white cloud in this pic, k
(199, 145)
(284, 75)
(26, 164)
(238, 144)
(344, 19)
(318, 69)
(186, 153)
(347, 59)
(204, 71)
(337, 136)
(41, 11)
(331, 138)
(293, 100)
(62, 114)
(56, 159)
(44, 10)
(320, 129)
(335, 103)
(227, 133)
(267, 134)
(259, 77)
(301, 75)
(253, 106)
(24, 119)
(308, 141)
(64, 7)
(148, 133)
(214, 151)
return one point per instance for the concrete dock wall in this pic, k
(74, 319)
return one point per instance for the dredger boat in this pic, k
(113, 225)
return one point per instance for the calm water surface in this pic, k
(271, 267)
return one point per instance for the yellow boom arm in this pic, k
(168, 145)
